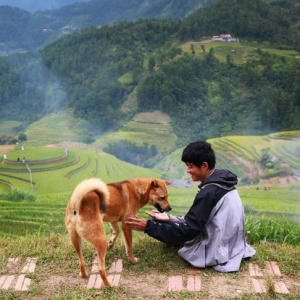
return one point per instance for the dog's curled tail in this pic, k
(90, 185)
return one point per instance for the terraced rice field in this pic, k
(152, 128)
(53, 183)
(56, 177)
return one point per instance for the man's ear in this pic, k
(205, 165)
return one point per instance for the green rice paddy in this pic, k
(53, 175)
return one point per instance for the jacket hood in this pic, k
(222, 177)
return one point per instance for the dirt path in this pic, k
(210, 285)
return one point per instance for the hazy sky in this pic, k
(34, 5)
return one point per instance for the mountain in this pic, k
(22, 30)
(208, 88)
(35, 5)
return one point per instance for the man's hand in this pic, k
(155, 214)
(136, 223)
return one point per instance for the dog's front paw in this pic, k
(134, 260)
(83, 274)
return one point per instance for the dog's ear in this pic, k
(153, 183)
(167, 182)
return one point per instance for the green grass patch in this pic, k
(38, 159)
(17, 194)
(55, 128)
(126, 78)
(57, 261)
(240, 52)
(10, 127)
(34, 154)
(151, 128)
(283, 200)
(63, 177)
(264, 208)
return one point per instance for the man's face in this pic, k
(197, 173)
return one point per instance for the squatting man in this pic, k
(212, 233)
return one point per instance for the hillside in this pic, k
(248, 87)
(35, 5)
(62, 169)
(114, 78)
(23, 31)
(265, 160)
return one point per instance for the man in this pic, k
(212, 233)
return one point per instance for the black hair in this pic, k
(199, 152)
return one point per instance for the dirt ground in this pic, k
(154, 285)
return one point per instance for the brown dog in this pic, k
(93, 202)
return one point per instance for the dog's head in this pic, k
(158, 195)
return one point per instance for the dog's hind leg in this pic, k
(114, 233)
(76, 241)
(94, 233)
(127, 235)
(100, 245)
(101, 250)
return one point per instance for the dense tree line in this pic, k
(21, 98)
(136, 154)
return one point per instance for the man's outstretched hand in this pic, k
(155, 214)
(136, 223)
(139, 223)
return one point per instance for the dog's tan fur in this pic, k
(93, 202)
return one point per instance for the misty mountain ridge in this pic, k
(23, 31)
(37, 5)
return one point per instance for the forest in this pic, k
(22, 30)
(205, 96)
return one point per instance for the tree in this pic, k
(151, 64)
(22, 137)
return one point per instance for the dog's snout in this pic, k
(168, 208)
(161, 208)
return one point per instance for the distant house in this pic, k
(224, 38)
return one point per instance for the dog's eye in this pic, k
(163, 198)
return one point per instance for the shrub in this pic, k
(17, 194)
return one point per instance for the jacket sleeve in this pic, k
(177, 233)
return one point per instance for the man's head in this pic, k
(200, 159)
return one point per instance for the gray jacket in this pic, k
(222, 244)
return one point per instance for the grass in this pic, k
(35, 154)
(152, 128)
(269, 216)
(242, 155)
(48, 130)
(57, 259)
(9, 127)
(240, 52)
(61, 177)
(52, 189)
(36, 229)
(276, 200)
(126, 78)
